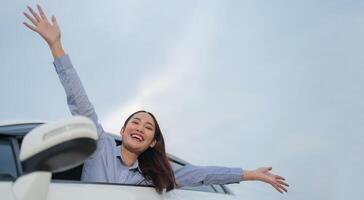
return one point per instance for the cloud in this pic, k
(183, 62)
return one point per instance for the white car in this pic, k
(49, 163)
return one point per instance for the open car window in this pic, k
(74, 174)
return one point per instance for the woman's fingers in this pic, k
(54, 21)
(280, 177)
(42, 15)
(275, 180)
(266, 169)
(35, 15)
(277, 188)
(35, 18)
(30, 27)
(30, 18)
(281, 187)
(282, 183)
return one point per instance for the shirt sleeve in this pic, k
(190, 175)
(77, 99)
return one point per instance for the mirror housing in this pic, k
(59, 145)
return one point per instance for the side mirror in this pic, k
(58, 145)
(52, 147)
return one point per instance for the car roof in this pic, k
(17, 128)
(17, 122)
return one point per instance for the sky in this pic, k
(232, 83)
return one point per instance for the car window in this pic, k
(7, 160)
(75, 175)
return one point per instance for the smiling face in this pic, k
(138, 133)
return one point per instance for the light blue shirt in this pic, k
(106, 165)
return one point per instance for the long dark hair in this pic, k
(154, 163)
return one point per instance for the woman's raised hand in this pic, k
(50, 32)
(264, 174)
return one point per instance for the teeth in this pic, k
(137, 137)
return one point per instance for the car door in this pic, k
(77, 191)
(196, 195)
(93, 191)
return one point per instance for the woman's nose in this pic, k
(139, 128)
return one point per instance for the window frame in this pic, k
(195, 188)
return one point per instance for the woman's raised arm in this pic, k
(77, 99)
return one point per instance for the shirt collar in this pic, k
(135, 166)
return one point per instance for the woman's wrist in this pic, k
(249, 175)
(57, 50)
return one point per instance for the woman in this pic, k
(141, 158)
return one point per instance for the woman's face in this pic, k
(138, 134)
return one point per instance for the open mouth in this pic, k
(137, 137)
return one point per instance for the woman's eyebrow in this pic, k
(145, 122)
(150, 124)
(137, 118)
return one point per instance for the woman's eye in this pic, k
(149, 128)
(134, 122)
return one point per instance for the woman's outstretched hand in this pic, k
(50, 32)
(264, 174)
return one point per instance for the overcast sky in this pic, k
(232, 83)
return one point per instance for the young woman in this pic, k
(141, 158)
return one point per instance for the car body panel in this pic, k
(76, 191)
(6, 190)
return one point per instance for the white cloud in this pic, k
(185, 57)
